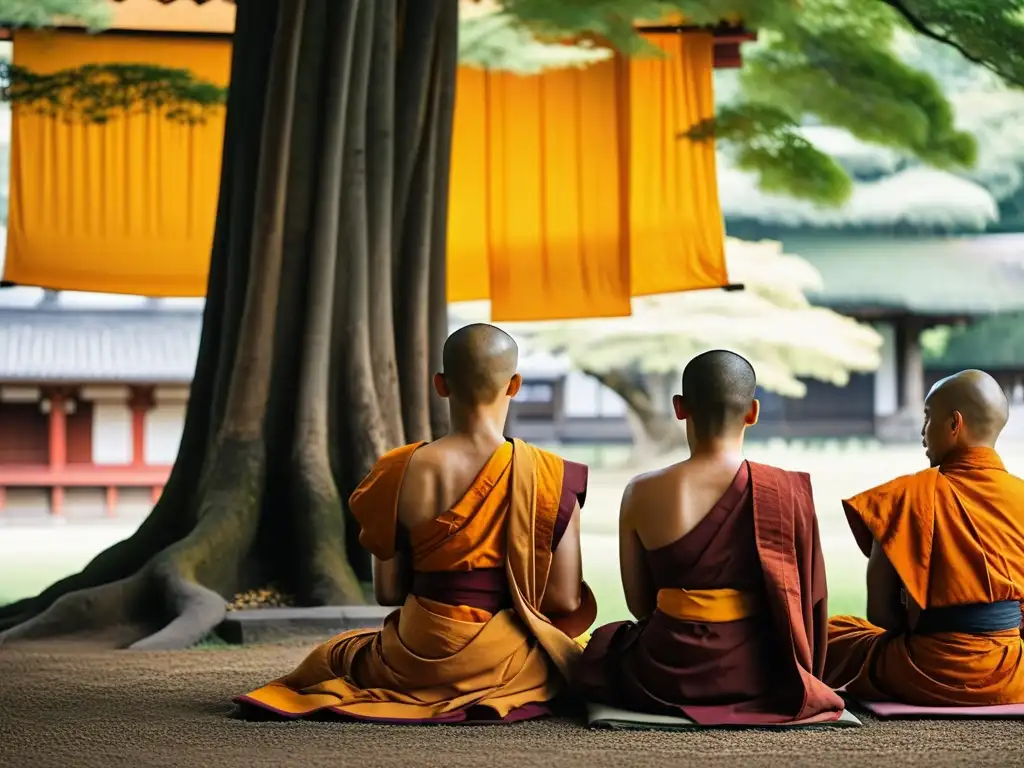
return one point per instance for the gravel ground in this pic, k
(75, 708)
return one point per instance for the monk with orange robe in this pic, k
(722, 567)
(477, 539)
(945, 554)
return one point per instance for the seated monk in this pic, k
(477, 539)
(722, 567)
(945, 574)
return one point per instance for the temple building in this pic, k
(915, 249)
(92, 402)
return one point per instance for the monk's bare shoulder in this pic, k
(649, 486)
(420, 483)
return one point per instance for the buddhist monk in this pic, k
(722, 568)
(476, 538)
(945, 572)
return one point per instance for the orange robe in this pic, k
(436, 660)
(955, 536)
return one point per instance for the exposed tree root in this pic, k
(120, 561)
(322, 572)
(110, 614)
(156, 609)
(196, 610)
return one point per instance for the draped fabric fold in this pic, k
(677, 238)
(439, 662)
(571, 190)
(126, 206)
(578, 188)
(953, 534)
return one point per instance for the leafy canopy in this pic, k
(93, 14)
(822, 62)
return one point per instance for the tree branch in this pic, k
(922, 28)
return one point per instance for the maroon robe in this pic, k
(761, 538)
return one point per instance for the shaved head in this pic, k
(718, 392)
(479, 363)
(981, 404)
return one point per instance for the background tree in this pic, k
(641, 357)
(311, 365)
(93, 14)
(892, 189)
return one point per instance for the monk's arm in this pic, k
(885, 608)
(637, 585)
(391, 580)
(562, 595)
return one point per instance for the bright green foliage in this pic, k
(988, 32)
(93, 14)
(766, 140)
(615, 20)
(829, 62)
(498, 41)
(95, 92)
(993, 343)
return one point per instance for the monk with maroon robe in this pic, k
(476, 537)
(722, 568)
(945, 576)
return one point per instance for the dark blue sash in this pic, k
(976, 618)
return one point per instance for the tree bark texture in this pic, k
(326, 295)
(656, 431)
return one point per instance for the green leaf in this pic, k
(96, 92)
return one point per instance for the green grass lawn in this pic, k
(30, 560)
(32, 557)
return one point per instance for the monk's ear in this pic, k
(679, 406)
(514, 385)
(956, 422)
(441, 385)
(752, 415)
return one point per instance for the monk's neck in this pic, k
(478, 426)
(718, 448)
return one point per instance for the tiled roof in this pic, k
(144, 345)
(927, 276)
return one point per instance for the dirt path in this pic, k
(113, 709)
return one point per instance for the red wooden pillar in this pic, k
(141, 401)
(58, 450)
(111, 502)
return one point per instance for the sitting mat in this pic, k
(602, 716)
(893, 710)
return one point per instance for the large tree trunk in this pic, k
(324, 298)
(656, 431)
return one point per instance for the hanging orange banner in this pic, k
(570, 190)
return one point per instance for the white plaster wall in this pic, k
(85, 503)
(27, 502)
(609, 404)
(164, 423)
(887, 375)
(585, 398)
(582, 396)
(111, 434)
